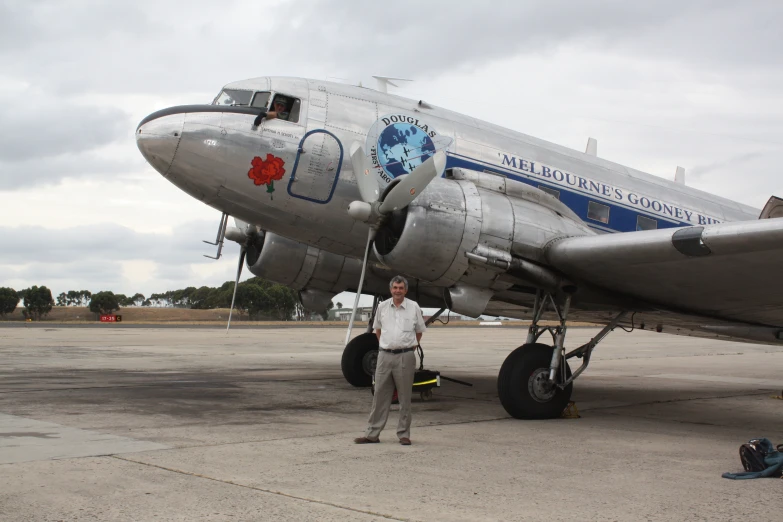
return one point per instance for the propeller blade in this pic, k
(242, 252)
(368, 185)
(241, 225)
(370, 237)
(411, 185)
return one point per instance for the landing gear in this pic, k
(361, 353)
(359, 358)
(535, 380)
(524, 387)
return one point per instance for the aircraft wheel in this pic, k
(359, 359)
(524, 388)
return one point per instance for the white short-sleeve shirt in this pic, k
(398, 324)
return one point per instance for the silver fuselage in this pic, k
(209, 153)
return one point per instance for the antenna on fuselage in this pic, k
(679, 176)
(592, 147)
(385, 81)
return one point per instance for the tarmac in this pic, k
(194, 424)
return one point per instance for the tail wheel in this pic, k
(359, 358)
(523, 384)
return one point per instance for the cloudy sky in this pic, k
(659, 84)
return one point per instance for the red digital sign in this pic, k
(107, 318)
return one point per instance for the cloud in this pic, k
(414, 40)
(701, 171)
(47, 139)
(108, 242)
(155, 47)
(36, 128)
(97, 272)
(175, 273)
(659, 84)
(145, 46)
(53, 170)
(110, 257)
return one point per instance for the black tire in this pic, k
(358, 362)
(517, 384)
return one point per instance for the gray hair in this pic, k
(398, 279)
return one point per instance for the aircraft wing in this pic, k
(727, 273)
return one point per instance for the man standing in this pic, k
(399, 326)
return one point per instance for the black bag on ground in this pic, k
(752, 455)
(760, 459)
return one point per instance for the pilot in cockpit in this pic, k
(280, 108)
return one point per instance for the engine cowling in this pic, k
(424, 238)
(470, 212)
(317, 275)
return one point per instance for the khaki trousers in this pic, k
(392, 370)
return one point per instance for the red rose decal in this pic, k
(265, 172)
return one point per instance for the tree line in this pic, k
(37, 301)
(258, 298)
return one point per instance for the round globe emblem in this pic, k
(402, 147)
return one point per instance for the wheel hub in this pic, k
(369, 361)
(539, 387)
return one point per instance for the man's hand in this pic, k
(418, 337)
(271, 115)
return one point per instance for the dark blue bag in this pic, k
(760, 459)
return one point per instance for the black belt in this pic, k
(399, 350)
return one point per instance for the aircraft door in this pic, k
(317, 167)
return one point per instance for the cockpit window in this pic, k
(286, 107)
(233, 97)
(260, 99)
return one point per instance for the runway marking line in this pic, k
(268, 491)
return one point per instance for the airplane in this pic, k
(479, 218)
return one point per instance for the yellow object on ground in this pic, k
(570, 411)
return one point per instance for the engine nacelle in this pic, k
(424, 238)
(317, 275)
(472, 213)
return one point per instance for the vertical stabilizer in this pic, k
(679, 176)
(592, 147)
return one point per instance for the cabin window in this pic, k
(233, 97)
(286, 107)
(552, 192)
(598, 212)
(645, 223)
(260, 99)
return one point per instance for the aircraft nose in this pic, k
(157, 137)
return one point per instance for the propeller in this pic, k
(368, 185)
(373, 211)
(243, 234)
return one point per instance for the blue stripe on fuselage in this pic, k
(621, 217)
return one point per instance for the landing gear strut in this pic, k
(535, 380)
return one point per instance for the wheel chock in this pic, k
(570, 411)
(778, 397)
